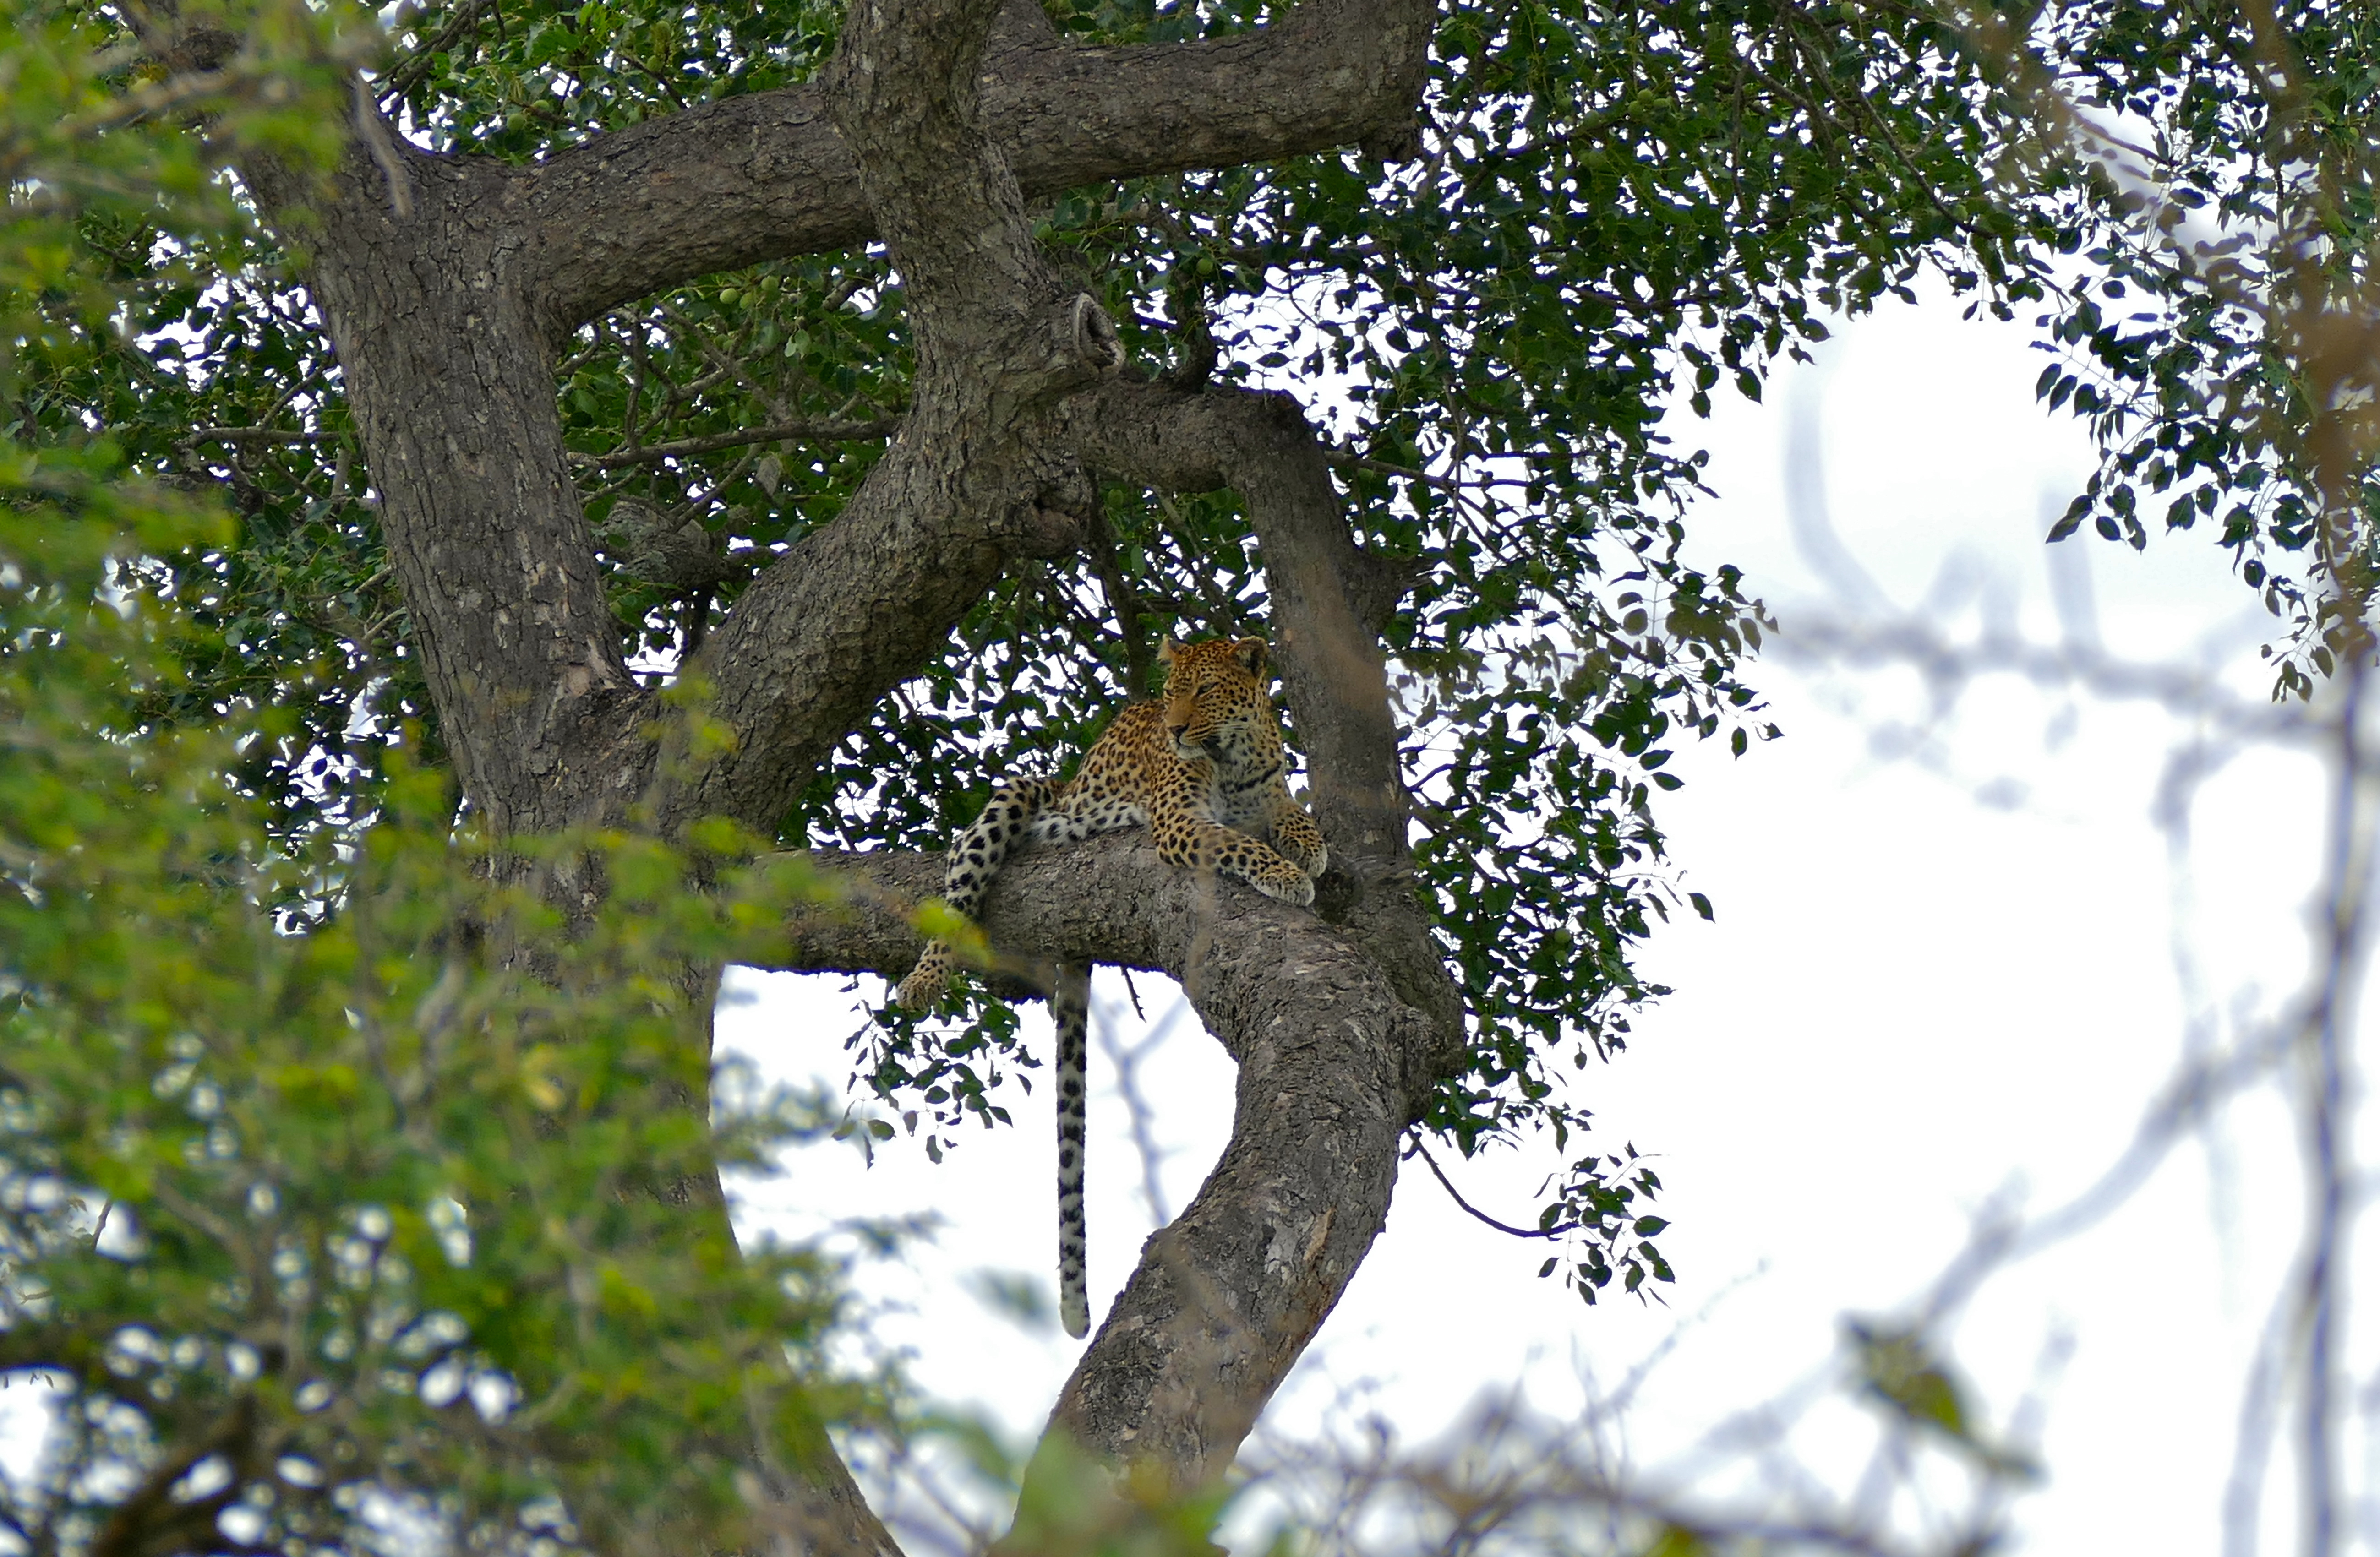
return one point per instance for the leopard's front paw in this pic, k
(1290, 889)
(1298, 840)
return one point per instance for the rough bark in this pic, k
(964, 485)
(452, 393)
(446, 284)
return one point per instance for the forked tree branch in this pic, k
(1332, 1061)
(1333, 1065)
(967, 485)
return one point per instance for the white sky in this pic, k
(1944, 969)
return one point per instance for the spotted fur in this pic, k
(1203, 769)
(1070, 1012)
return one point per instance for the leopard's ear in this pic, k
(1250, 653)
(1168, 647)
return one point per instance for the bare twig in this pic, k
(820, 430)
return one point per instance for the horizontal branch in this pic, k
(816, 431)
(747, 179)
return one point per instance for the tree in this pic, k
(884, 383)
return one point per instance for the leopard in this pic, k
(1204, 769)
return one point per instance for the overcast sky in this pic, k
(1953, 958)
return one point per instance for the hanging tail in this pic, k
(1070, 1008)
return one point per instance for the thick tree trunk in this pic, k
(452, 388)
(936, 119)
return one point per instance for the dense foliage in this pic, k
(341, 1191)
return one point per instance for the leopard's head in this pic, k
(1215, 703)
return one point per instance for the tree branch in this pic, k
(751, 179)
(970, 483)
(256, 435)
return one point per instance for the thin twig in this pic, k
(1422, 1152)
(402, 79)
(256, 435)
(816, 431)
